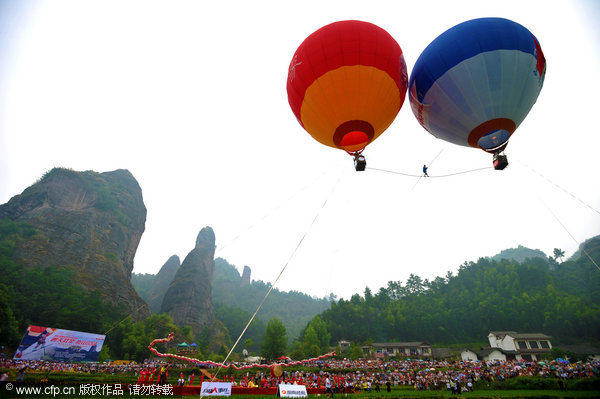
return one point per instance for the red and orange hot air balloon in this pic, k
(346, 84)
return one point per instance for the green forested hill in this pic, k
(234, 304)
(539, 295)
(294, 309)
(143, 284)
(44, 297)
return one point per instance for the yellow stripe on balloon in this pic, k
(347, 93)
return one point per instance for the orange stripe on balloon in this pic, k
(343, 43)
(347, 94)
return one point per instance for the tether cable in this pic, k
(557, 218)
(278, 277)
(270, 212)
(569, 233)
(559, 187)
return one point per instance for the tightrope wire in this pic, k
(432, 176)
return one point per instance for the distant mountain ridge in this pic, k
(236, 297)
(161, 282)
(519, 254)
(295, 309)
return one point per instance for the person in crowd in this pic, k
(328, 386)
(21, 374)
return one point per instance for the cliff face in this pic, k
(188, 299)
(161, 283)
(246, 276)
(87, 221)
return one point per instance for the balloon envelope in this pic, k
(346, 83)
(276, 370)
(476, 82)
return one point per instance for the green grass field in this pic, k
(5, 392)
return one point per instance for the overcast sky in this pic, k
(190, 97)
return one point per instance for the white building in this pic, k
(468, 355)
(488, 354)
(404, 349)
(528, 347)
(344, 344)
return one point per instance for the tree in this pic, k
(297, 350)
(414, 285)
(332, 297)
(275, 339)
(9, 329)
(311, 342)
(558, 254)
(395, 290)
(187, 334)
(323, 337)
(355, 352)
(104, 354)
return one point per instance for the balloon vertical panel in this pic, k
(346, 83)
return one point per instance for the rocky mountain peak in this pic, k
(246, 276)
(206, 239)
(189, 296)
(161, 283)
(86, 221)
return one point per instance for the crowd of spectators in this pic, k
(342, 375)
(90, 367)
(457, 376)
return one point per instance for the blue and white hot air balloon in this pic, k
(476, 82)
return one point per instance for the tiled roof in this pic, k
(400, 344)
(530, 336)
(539, 350)
(486, 351)
(443, 352)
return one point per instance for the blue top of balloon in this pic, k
(464, 41)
